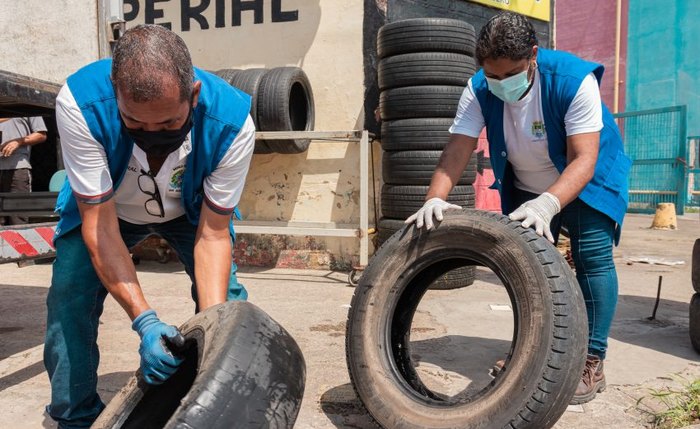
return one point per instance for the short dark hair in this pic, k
(146, 58)
(506, 35)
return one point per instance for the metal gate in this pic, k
(693, 171)
(655, 140)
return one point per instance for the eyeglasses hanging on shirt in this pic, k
(147, 185)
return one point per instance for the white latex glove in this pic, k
(538, 213)
(432, 207)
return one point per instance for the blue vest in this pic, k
(561, 75)
(220, 113)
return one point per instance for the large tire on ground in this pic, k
(425, 68)
(454, 279)
(428, 101)
(416, 134)
(547, 353)
(694, 322)
(400, 202)
(241, 370)
(286, 103)
(417, 168)
(426, 35)
(695, 266)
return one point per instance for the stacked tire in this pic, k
(281, 100)
(424, 66)
(694, 316)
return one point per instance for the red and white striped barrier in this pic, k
(22, 242)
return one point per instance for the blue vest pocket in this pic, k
(616, 179)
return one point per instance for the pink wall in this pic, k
(587, 29)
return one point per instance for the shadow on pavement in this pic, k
(22, 319)
(344, 409)
(667, 333)
(108, 385)
(470, 357)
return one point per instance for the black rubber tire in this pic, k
(241, 370)
(227, 74)
(695, 266)
(426, 35)
(400, 202)
(694, 322)
(416, 167)
(416, 134)
(247, 81)
(286, 103)
(454, 279)
(429, 101)
(425, 68)
(550, 330)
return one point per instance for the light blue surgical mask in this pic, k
(511, 88)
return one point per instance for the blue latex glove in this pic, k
(157, 361)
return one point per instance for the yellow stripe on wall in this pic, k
(539, 9)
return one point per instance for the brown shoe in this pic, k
(498, 368)
(592, 381)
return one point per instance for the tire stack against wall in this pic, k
(281, 100)
(424, 65)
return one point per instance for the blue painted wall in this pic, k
(663, 56)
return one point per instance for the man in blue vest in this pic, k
(557, 157)
(151, 146)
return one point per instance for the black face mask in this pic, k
(160, 143)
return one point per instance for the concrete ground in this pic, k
(452, 350)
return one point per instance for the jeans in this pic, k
(592, 236)
(16, 180)
(75, 302)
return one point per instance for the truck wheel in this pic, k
(694, 321)
(548, 349)
(241, 370)
(286, 103)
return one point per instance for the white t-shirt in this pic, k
(524, 130)
(88, 172)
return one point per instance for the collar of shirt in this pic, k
(172, 158)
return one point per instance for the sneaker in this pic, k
(592, 381)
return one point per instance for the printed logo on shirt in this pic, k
(175, 182)
(538, 130)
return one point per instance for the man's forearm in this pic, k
(212, 261)
(572, 181)
(453, 161)
(32, 139)
(110, 257)
(114, 267)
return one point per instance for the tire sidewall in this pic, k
(375, 302)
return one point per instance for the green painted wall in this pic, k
(663, 56)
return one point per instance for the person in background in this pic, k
(151, 145)
(557, 157)
(17, 136)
